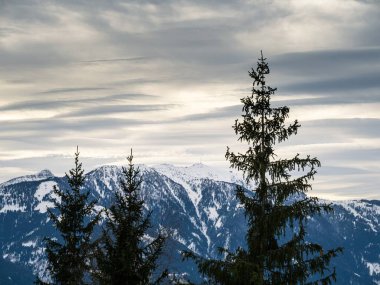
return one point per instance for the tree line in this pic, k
(275, 252)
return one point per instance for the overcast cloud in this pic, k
(166, 78)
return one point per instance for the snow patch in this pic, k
(212, 214)
(218, 224)
(374, 268)
(44, 188)
(12, 257)
(30, 233)
(13, 208)
(30, 243)
(43, 206)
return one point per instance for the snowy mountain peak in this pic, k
(179, 174)
(198, 171)
(42, 175)
(45, 173)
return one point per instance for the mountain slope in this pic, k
(197, 206)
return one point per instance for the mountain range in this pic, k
(197, 207)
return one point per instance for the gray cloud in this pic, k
(44, 127)
(335, 170)
(21, 10)
(351, 128)
(338, 76)
(114, 109)
(330, 99)
(225, 112)
(114, 60)
(144, 61)
(73, 90)
(45, 104)
(316, 63)
(355, 83)
(180, 138)
(44, 56)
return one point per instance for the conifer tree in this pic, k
(69, 257)
(124, 256)
(277, 209)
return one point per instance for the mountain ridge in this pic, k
(197, 205)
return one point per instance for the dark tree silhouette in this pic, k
(124, 256)
(277, 209)
(69, 258)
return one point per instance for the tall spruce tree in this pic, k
(124, 256)
(69, 257)
(276, 251)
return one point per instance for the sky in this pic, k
(166, 77)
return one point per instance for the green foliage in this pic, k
(124, 257)
(276, 252)
(69, 259)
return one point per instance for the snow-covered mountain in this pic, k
(197, 206)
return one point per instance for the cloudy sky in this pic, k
(166, 78)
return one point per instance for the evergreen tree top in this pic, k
(123, 254)
(74, 216)
(276, 251)
(75, 176)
